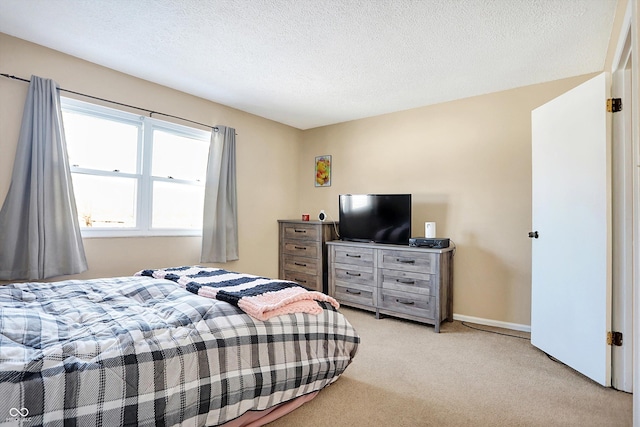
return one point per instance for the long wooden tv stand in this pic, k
(401, 281)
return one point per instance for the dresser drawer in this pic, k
(310, 266)
(354, 256)
(407, 281)
(412, 304)
(354, 274)
(355, 293)
(301, 248)
(301, 231)
(408, 261)
(306, 280)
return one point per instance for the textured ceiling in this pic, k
(308, 63)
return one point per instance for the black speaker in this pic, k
(322, 216)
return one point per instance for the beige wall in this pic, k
(266, 151)
(467, 164)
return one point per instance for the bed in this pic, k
(150, 351)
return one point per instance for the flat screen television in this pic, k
(378, 218)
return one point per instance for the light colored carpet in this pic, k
(407, 375)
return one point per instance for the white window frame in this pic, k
(144, 195)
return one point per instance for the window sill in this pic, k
(105, 233)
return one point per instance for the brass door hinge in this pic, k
(614, 338)
(614, 105)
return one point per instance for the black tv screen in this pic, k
(379, 218)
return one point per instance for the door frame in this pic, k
(635, 129)
(624, 211)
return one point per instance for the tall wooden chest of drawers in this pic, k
(401, 281)
(303, 252)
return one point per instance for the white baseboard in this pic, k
(490, 322)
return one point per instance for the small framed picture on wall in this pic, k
(323, 171)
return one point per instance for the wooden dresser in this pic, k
(303, 252)
(401, 281)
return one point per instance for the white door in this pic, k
(571, 258)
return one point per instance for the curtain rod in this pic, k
(151, 112)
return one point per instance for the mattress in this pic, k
(147, 352)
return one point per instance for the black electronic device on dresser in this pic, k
(375, 218)
(429, 242)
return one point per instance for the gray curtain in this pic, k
(39, 229)
(220, 222)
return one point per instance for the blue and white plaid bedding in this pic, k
(140, 351)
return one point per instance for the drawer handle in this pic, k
(353, 274)
(405, 302)
(300, 231)
(300, 281)
(300, 247)
(406, 261)
(300, 264)
(349, 291)
(406, 282)
(354, 256)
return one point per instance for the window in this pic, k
(134, 175)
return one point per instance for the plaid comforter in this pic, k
(144, 351)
